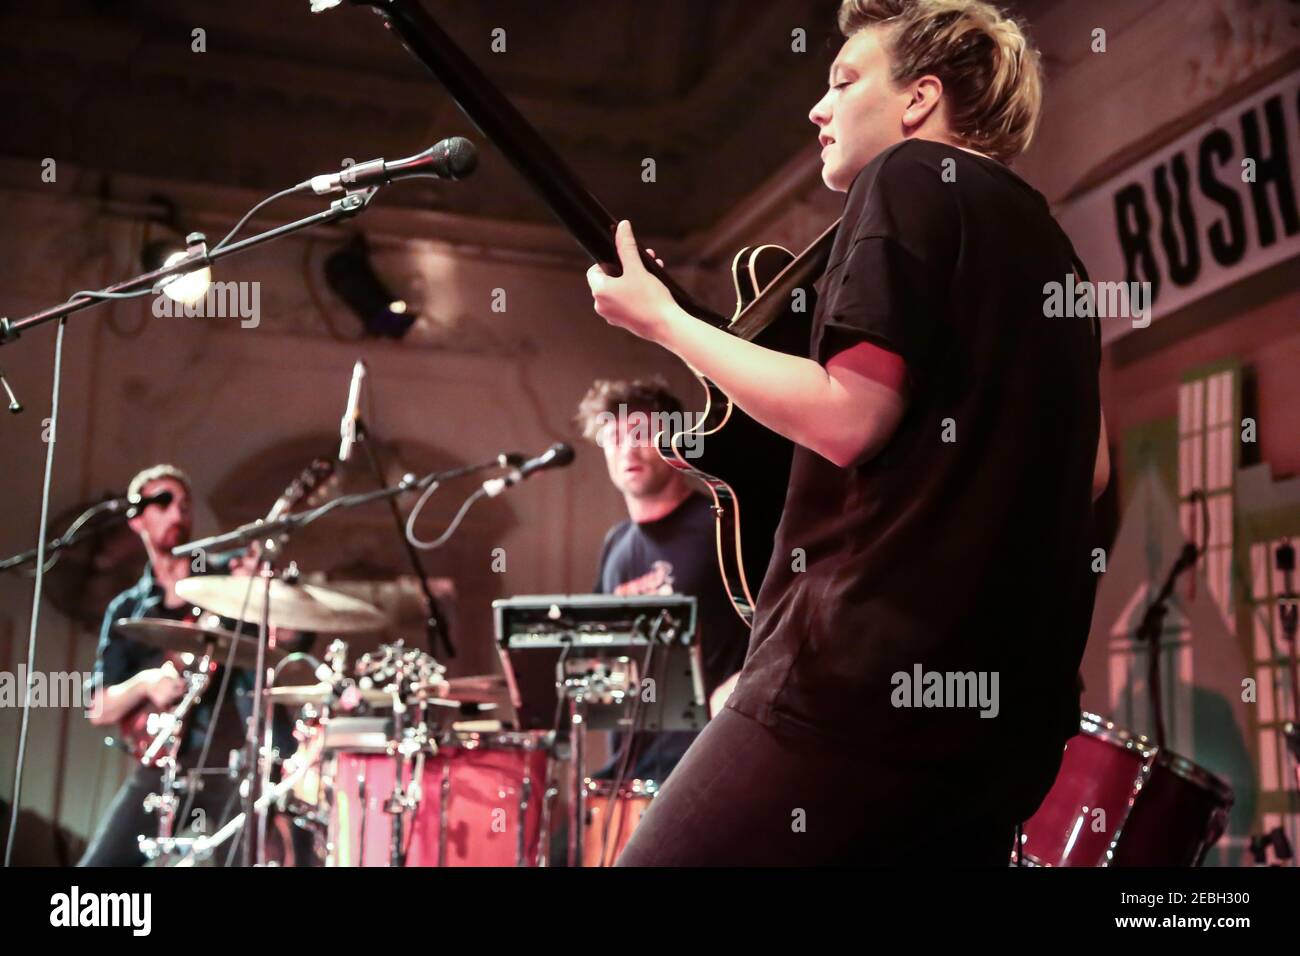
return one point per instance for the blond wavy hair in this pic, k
(992, 75)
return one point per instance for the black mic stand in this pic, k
(1153, 620)
(1149, 631)
(434, 625)
(1288, 612)
(76, 531)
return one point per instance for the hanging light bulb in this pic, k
(188, 287)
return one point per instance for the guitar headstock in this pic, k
(308, 489)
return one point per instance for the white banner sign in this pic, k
(1213, 207)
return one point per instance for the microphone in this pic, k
(557, 456)
(348, 427)
(134, 504)
(452, 158)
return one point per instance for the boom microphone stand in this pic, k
(117, 507)
(197, 256)
(1153, 620)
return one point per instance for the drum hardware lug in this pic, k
(398, 802)
(159, 801)
(154, 848)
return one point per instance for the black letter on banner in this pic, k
(1226, 251)
(1134, 238)
(1275, 169)
(1183, 270)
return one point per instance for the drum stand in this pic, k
(409, 742)
(165, 803)
(584, 681)
(168, 736)
(258, 758)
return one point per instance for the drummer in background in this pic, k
(666, 546)
(129, 674)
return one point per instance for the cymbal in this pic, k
(478, 689)
(297, 695)
(484, 689)
(317, 694)
(188, 637)
(296, 607)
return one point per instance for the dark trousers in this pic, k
(116, 841)
(745, 795)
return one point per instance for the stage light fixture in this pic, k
(188, 287)
(352, 278)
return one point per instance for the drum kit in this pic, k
(394, 764)
(1119, 800)
(397, 765)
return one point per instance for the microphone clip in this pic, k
(354, 201)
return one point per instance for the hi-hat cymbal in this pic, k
(479, 689)
(486, 688)
(297, 695)
(296, 607)
(188, 637)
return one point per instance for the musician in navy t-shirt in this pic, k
(666, 546)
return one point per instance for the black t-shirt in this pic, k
(676, 554)
(963, 546)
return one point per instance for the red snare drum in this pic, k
(481, 801)
(1119, 800)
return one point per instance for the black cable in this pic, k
(435, 627)
(249, 215)
(559, 696)
(108, 296)
(443, 538)
(630, 744)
